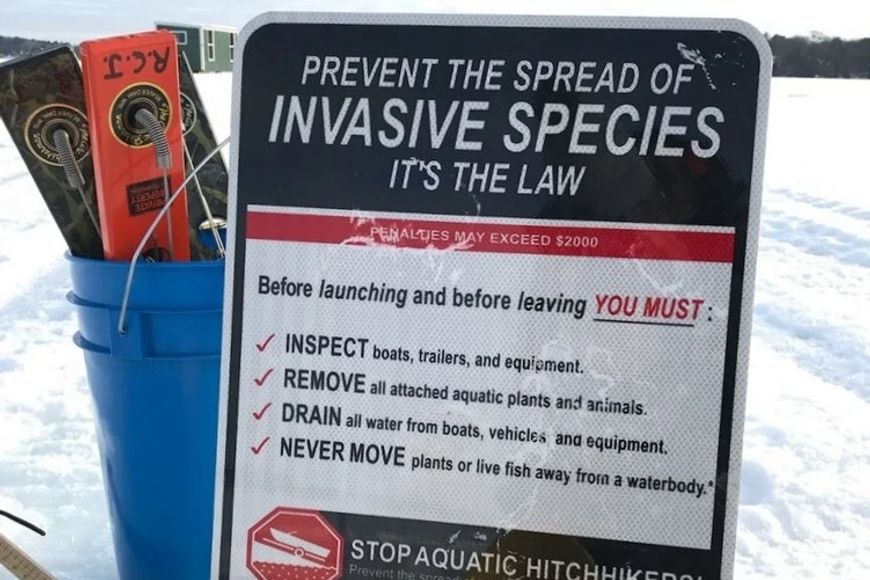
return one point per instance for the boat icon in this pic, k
(303, 549)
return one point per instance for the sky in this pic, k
(76, 20)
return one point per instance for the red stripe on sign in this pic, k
(493, 237)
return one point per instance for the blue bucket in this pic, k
(155, 391)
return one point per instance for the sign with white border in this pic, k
(488, 300)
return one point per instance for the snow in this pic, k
(805, 490)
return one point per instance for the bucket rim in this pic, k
(80, 302)
(125, 265)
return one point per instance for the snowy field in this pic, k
(805, 499)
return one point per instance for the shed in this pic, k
(209, 48)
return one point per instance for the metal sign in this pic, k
(488, 297)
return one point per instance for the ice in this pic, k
(805, 494)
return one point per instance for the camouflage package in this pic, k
(212, 180)
(40, 95)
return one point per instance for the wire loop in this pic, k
(128, 286)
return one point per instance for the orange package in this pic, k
(123, 76)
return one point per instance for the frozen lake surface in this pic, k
(805, 498)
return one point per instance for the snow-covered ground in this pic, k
(805, 499)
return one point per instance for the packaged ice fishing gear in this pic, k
(207, 192)
(135, 118)
(42, 104)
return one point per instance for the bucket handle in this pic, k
(128, 286)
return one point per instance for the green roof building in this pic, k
(208, 48)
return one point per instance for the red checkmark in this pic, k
(262, 379)
(262, 346)
(262, 412)
(259, 447)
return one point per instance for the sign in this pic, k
(489, 293)
(290, 543)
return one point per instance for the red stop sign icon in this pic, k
(292, 543)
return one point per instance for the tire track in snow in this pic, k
(816, 238)
(843, 208)
(817, 262)
(824, 349)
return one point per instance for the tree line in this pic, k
(14, 46)
(820, 56)
(793, 56)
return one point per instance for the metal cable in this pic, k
(155, 130)
(67, 159)
(73, 172)
(169, 239)
(150, 123)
